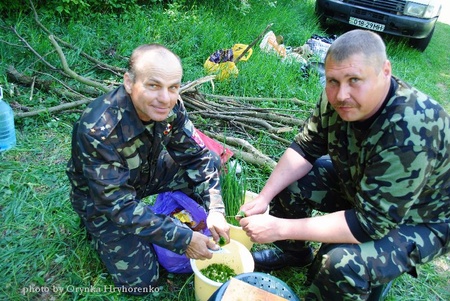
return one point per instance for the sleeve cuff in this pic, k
(296, 147)
(355, 226)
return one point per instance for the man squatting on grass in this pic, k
(133, 142)
(374, 158)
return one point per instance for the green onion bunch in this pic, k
(233, 188)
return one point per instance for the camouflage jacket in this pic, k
(113, 164)
(396, 170)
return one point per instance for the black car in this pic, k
(415, 20)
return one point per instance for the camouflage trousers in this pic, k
(130, 259)
(351, 271)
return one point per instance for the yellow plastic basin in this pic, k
(238, 258)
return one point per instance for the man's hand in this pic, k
(258, 205)
(200, 246)
(218, 226)
(261, 228)
(327, 228)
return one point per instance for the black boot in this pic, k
(275, 259)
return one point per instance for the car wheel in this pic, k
(421, 44)
(320, 16)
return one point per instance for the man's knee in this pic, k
(339, 271)
(130, 261)
(137, 282)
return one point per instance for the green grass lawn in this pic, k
(45, 255)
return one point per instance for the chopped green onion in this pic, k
(222, 241)
(218, 272)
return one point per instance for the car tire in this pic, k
(422, 44)
(321, 18)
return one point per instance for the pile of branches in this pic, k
(244, 120)
(239, 116)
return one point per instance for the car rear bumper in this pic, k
(398, 25)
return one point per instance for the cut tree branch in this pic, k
(253, 43)
(72, 73)
(57, 108)
(244, 150)
(260, 99)
(114, 69)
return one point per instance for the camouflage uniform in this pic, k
(117, 161)
(391, 176)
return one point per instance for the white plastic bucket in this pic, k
(238, 258)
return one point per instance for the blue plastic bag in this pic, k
(166, 203)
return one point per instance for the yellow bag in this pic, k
(238, 49)
(222, 63)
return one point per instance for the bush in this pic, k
(79, 8)
(71, 8)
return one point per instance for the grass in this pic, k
(45, 253)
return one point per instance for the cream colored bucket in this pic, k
(238, 258)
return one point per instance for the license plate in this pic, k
(366, 24)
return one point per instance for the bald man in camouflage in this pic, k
(134, 142)
(374, 159)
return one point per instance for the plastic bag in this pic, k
(222, 62)
(318, 47)
(271, 42)
(217, 147)
(168, 203)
